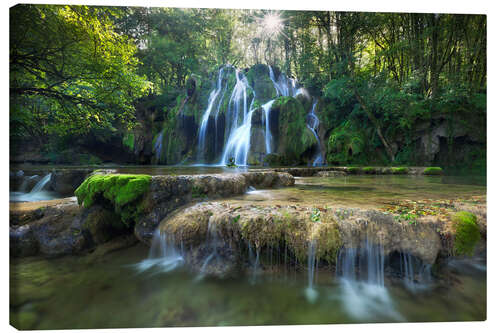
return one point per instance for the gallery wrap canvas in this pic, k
(175, 167)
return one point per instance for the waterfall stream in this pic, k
(267, 108)
(312, 123)
(163, 254)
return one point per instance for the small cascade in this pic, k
(25, 183)
(285, 86)
(163, 254)
(204, 121)
(41, 184)
(254, 260)
(416, 275)
(267, 122)
(311, 293)
(238, 143)
(157, 146)
(361, 275)
(211, 241)
(312, 123)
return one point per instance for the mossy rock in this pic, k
(433, 171)
(466, 233)
(400, 170)
(122, 191)
(369, 170)
(353, 170)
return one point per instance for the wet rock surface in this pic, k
(335, 171)
(225, 230)
(170, 192)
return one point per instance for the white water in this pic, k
(312, 123)
(311, 293)
(238, 143)
(211, 242)
(204, 121)
(269, 138)
(158, 146)
(36, 194)
(361, 276)
(163, 255)
(414, 281)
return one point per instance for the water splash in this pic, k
(361, 275)
(311, 293)
(313, 123)
(37, 193)
(157, 146)
(163, 255)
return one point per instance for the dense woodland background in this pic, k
(95, 84)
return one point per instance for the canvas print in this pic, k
(224, 167)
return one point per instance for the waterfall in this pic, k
(254, 261)
(158, 144)
(211, 241)
(311, 293)
(163, 254)
(41, 184)
(414, 281)
(361, 275)
(312, 123)
(238, 143)
(25, 183)
(267, 108)
(204, 121)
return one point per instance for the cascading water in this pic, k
(416, 275)
(163, 254)
(41, 184)
(285, 86)
(312, 123)
(267, 108)
(361, 275)
(311, 293)
(211, 241)
(238, 143)
(203, 126)
(158, 144)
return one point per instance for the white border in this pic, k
(432, 6)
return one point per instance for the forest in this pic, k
(91, 85)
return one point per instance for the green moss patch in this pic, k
(433, 171)
(399, 171)
(369, 170)
(353, 170)
(467, 233)
(124, 192)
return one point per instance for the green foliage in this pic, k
(345, 144)
(231, 163)
(71, 71)
(198, 192)
(433, 171)
(123, 192)
(316, 215)
(399, 170)
(128, 141)
(467, 233)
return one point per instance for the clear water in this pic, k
(109, 291)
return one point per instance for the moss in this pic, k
(353, 170)
(123, 191)
(433, 171)
(399, 170)
(369, 170)
(128, 141)
(466, 233)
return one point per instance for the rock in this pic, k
(65, 181)
(218, 230)
(168, 193)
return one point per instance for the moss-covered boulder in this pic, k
(433, 171)
(467, 233)
(399, 170)
(122, 192)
